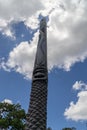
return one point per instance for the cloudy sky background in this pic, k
(67, 56)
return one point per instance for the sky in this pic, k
(67, 57)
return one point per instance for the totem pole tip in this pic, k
(43, 19)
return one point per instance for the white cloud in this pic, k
(67, 33)
(3, 65)
(27, 11)
(32, 22)
(7, 101)
(6, 29)
(2, 23)
(21, 58)
(79, 85)
(17, 10)
(78, 111)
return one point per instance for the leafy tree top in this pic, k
(73, 128)
(12, 116)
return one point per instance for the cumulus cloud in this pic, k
(15, 11)
(78, 111)
(21, 58)
(27, 11)
(19, 9)
(5, 29)
(7, 101)
(66, 32)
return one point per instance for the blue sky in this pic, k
(67, 57)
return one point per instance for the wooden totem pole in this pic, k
(37, 113)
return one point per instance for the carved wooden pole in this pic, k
(37, 113)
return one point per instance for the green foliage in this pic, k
(49, 128)
(12, 116)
